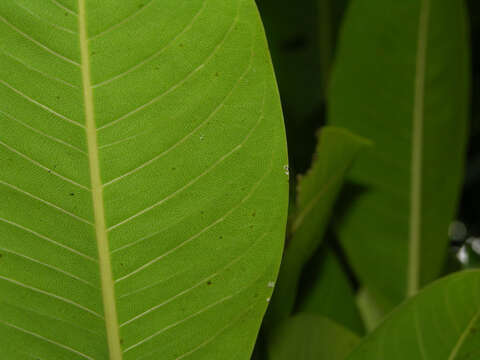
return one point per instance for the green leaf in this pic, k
(331, 293)
(142, 179)
(312, 337)
(373, 308)
(317, 192)
(401, 79)
(440, 323)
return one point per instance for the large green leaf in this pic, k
(143, 179)
(440, 323)
(312, 337)
(331, 293)
(317, 192)
(401, 80)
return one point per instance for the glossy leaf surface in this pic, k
(143, 179)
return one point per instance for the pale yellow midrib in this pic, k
(413, 276)
(106, 276)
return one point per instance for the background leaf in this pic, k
(145, 137)
(373, 308)
(330, 292)
(401, 79)
(312, 337)
(440, 323)
(317, 192)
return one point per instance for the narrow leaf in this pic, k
(401, 79)
(317, 192)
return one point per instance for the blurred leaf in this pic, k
(373, 308)
(317, 191)
(440, 323)
(401, 79)
(312, 337)
(331, 294)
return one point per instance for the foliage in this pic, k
(144, 180)
(401, 79)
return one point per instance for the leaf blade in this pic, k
(405, 167)
(424, 330)
(188, 148)
(308, 337)
(330, 293)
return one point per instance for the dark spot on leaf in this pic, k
(209, 282)
(174, 168)
(93, 52)
(181, 45)
(72, 194)
(58, 97)
(202, 212)
(254, 213)
(121, 341)
(140, 6)
(220, 237)
(216, 74)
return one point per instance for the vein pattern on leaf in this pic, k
(149, 191)
(43, 46)
(151, 57)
